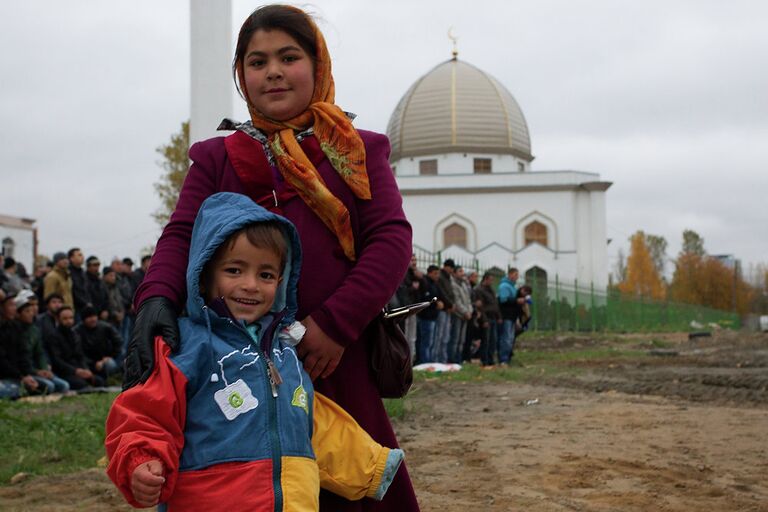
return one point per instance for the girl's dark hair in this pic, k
(293, 21)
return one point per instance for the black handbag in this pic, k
(390, 355)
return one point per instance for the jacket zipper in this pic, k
(274, 437)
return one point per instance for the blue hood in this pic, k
(221, 215)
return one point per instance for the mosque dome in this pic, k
(458, 108)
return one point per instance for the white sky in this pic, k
(668, 100)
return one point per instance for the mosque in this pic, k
(461, 153)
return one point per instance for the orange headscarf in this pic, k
(338, 139)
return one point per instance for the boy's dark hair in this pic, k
(264, 235)
(64, 308)
(88, 311)
(432, 268)
(294, 22)
(52, 296)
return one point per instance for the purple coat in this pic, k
(342, 296)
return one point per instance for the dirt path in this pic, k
(673, 433)
(478, 446)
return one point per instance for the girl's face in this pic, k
(278, 75)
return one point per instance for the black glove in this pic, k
(156, 317)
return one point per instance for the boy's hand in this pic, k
(29, 382)
(321, 355)
(147, 482)
(83, 373)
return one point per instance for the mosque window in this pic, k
(520, 167)
(8, 246)
(455, 234)
(428, 167)
(536, 232)
(482, 165)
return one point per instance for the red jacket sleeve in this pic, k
(385, 251)
(147, 422)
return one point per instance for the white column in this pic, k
(211, 66)
(599, 234)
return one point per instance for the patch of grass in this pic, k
(530, 357)
(52, 438)
(396, 407)
(529, 364)
(661, 344)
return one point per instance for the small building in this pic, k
(461, 153)
(18, 237)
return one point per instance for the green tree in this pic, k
(620, 269)
(693, 243)
(175, 163)
(657, 246)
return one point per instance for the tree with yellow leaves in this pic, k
(642, 277)
(705, 280)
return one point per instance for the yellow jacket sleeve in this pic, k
(351, 463)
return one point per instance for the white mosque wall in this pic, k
(460, 163)
(495, 224)
(19, 243)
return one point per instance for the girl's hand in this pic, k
(147, 482)
(321, 355)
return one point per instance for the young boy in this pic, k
(524, 313)
(231, 421)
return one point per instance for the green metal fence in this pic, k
(574, 306)
(570, 307)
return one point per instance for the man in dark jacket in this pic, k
(15, 366)
(66, 352)
(114, 297)
(443, 328)
(139, 273)
(127, 287)
(97, 291)
(487, 298)
(409, 292)
(46, 321)
(26, 303)
(101, 343)
(80, 294)
(427, 318)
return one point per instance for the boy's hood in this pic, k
(221, 215)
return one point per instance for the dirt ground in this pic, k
(681, 430)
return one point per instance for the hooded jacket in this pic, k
(507, 298)
(230, 435)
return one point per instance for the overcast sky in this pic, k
(667, 100)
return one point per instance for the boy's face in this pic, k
(246, 278)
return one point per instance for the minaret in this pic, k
(211, 52)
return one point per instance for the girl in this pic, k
(298, 156)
